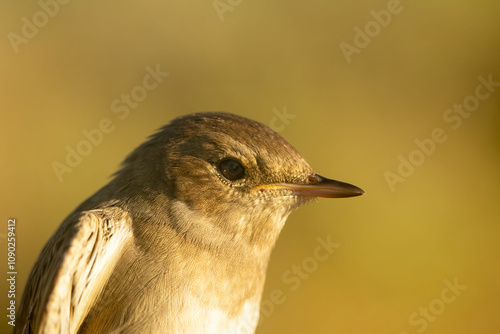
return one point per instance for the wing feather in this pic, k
(72, 270)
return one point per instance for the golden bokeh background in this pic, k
(354, 118)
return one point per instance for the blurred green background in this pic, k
(356, 115)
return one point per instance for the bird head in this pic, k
(224, 177)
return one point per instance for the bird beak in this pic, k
(318, 186)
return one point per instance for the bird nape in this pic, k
(179, 240)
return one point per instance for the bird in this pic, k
(180, 238)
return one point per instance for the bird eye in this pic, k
(231, 169)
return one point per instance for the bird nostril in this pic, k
(312, 180)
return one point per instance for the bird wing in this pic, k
(72, 270)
